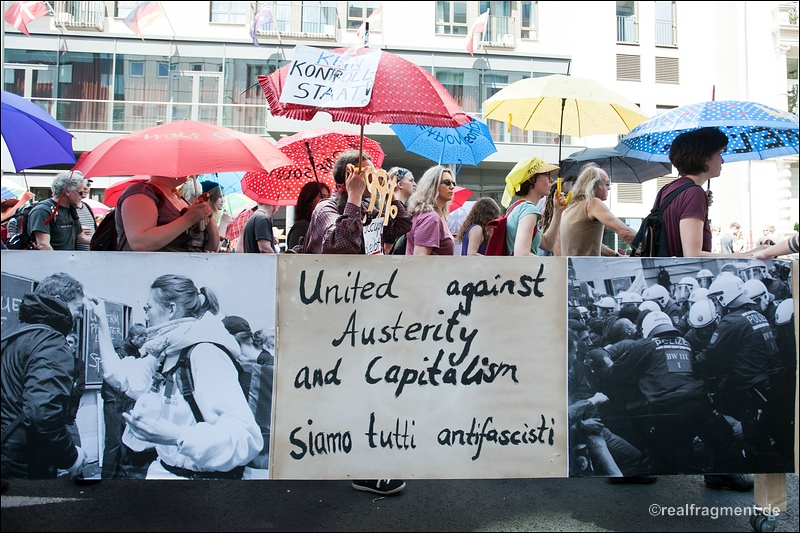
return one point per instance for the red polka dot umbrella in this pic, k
(403, 93)
(313, 152)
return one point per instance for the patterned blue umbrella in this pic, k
(466, 145)
(755, 131)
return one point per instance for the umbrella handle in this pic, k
(311, 159)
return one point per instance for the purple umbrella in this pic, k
(31, 137)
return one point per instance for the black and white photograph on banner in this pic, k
(681, 366)
(137, 366)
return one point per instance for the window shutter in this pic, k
(667, 70)
(629, 67)
(629, 193)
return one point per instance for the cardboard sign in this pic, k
(321, 78)
(452, 370)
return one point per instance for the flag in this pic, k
(21, 13)
(479, 26)
(145, 14)
(372, 18)
(264, 16)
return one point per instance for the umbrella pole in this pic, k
(361, 146)
(311, 159)
(560, 131)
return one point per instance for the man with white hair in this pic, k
(54, 223)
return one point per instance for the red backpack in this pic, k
(496, 245)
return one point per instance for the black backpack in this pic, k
(23, 240)
(105, 236)
(651, 239)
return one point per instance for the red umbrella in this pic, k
(180, 149)
(98, 208)
(314, 152)
(403, 93)
(460, 195)
(113, 193)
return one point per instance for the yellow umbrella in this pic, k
(522, 172)
(564, 105)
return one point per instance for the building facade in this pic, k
(198, 60)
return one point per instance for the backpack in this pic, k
(105, 236)
(651, 239)
(496, 245)
(184, 371)
(24, 240)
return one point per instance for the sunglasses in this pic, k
(448, 183)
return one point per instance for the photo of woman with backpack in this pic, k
(202, 427)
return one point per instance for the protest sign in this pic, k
(321, 78)
(391, 369)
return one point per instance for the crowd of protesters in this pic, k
(689, 376)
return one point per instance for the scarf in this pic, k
(161, 337)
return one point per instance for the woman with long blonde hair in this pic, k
(429, 234)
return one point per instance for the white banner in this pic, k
(397, 369)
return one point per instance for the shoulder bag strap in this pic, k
(671, 196)
(187, 382)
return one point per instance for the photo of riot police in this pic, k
(680, 366)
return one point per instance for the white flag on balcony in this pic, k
(19, 14)
(479, 26)
(264, 16)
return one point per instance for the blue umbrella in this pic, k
(31, 137)
(620, 168)
(230, 182)
(466, 145)
(755, 131)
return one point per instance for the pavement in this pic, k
(674, 503)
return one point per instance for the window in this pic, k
(500, 21)
(320, 18)
(666, 31)
(123, 9)
(627, 31)
(358, 12)
(451, 18)
(229, 12)
(137, 69)
(163, 70)
(529, 16)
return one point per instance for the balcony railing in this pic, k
(666, 33)
(80, 15)
(627, 29)
(501, 32)
(300, 21)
